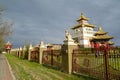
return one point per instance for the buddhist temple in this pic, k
(85, 36)
(83, 32)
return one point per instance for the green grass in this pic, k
(26, 70)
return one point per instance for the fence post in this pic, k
(20, 50)
(29, 53)
(105, 58)
(52, 57)
(67, 50)
(106, 64)
(24, 49)
(17, 53)
(41, 49)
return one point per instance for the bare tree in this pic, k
(5, 30)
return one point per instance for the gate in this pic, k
(52, 58)
(104, 66)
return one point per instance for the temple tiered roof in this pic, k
(101, 35)
(82, 17)
(82, 25)
(100, 31)
(83, 21)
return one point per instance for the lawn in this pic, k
(26, 70)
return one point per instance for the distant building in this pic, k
(8, 47)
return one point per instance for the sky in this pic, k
(47, 20)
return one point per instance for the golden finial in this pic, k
(82, 17)
(100, 28)
(100, 31)
(82, 14)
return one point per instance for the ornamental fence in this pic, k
(34, 56)
(105, 66)
(52, 58)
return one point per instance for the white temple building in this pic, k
(83, 32)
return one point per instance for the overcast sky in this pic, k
(47, 20)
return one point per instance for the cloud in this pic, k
(36, 20)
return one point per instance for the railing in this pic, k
(52, 58)
(85, 62)
(34, 56)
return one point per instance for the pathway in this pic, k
(4, 69)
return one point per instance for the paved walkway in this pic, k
(4, 69)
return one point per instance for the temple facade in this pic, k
(83, 33)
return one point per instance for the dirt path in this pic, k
(4, 69)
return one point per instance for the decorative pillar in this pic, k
(17, 52)
(29, 53)
(42, 47)
(24, 50)
(67, 51)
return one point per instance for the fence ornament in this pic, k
(42, 44)
(24, 48)
(30, 48)
(68, 35)
(68, 38)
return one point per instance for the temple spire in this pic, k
(100, 28)
(82, 17)
(100, 31)
(83, 22)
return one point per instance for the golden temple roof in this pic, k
(100, 31)
(83, 22)
(82, 17)
(103, 37)
(81, 25)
